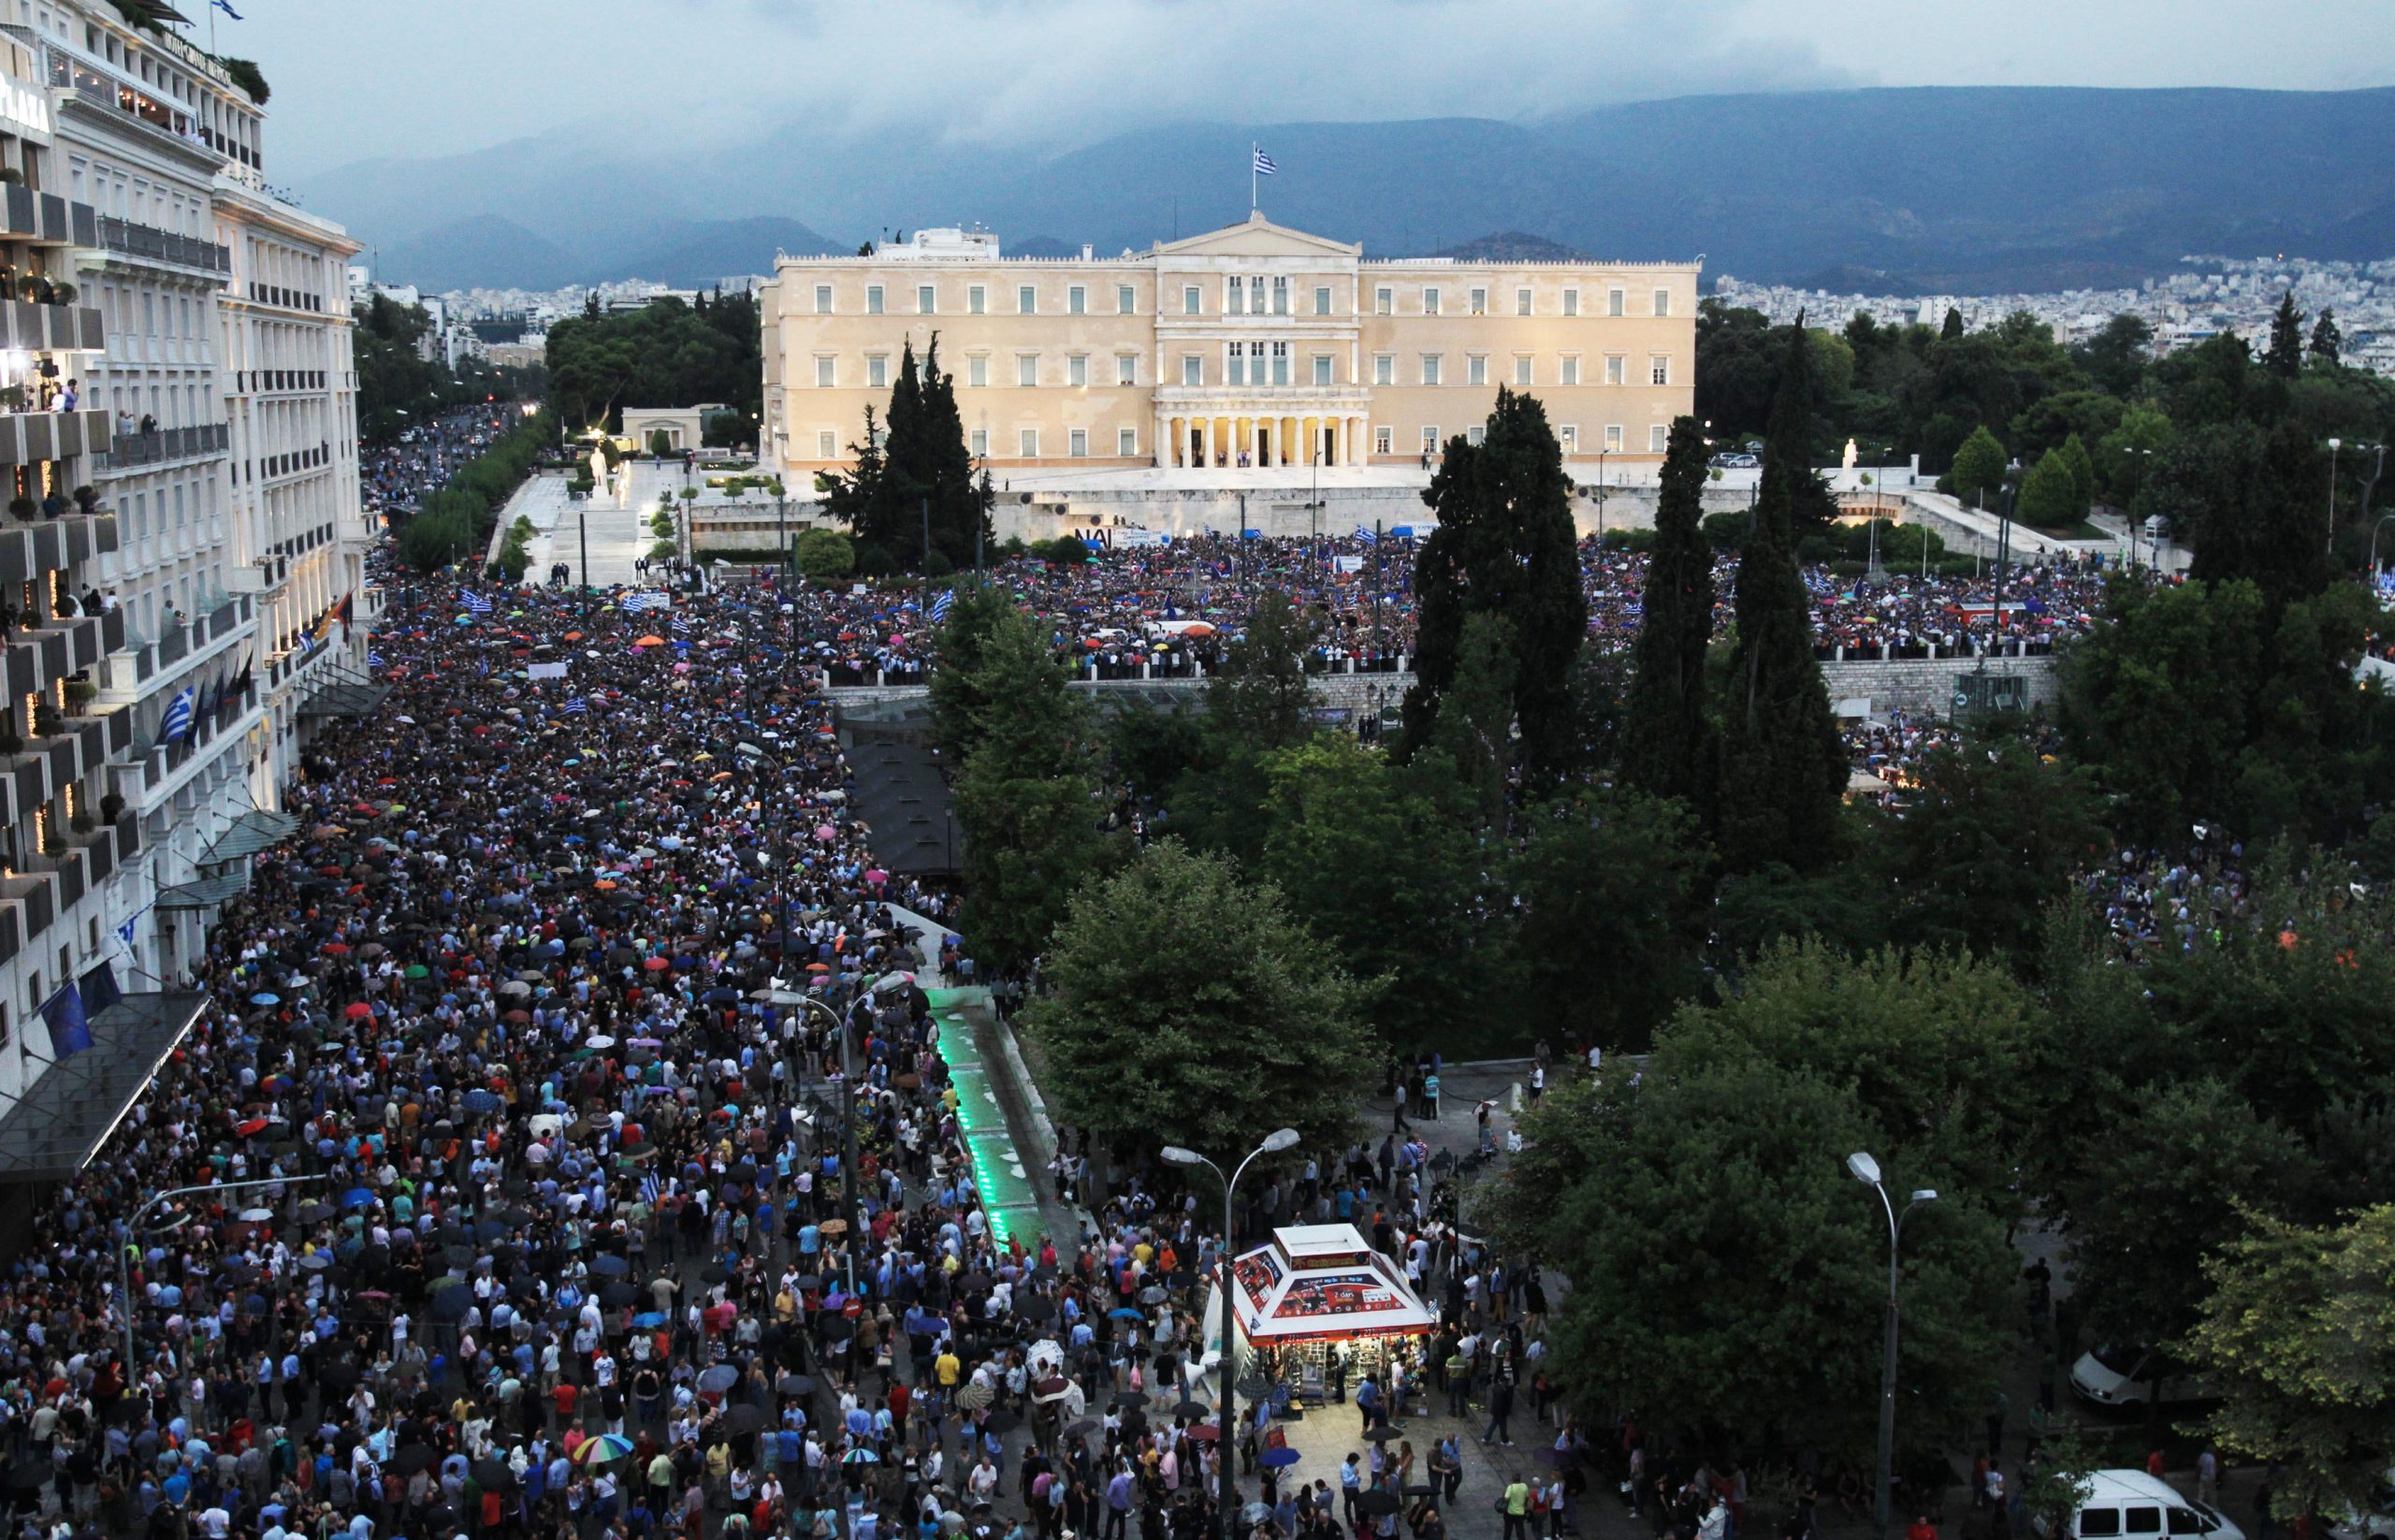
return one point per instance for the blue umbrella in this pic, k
(1126, 1314)
(262, 997)
(649, 1319)
(1279, 1459)
(357, 1198)
(860, 1457)
(610, 1266)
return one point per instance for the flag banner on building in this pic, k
(99, 987)
(546, 670)
(940, 605)
(70, 1030)
(176, 723)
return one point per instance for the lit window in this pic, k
(1429, 438)
(1480, 301)
(1613, 438)
(1569, 433)
(873, 300)
(1384, 440)
(823, 373)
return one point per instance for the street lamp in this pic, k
(1867, 1171)
(1279, 1140)
(842, 1027)
(2334, 445)
(132, 1231)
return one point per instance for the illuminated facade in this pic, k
(1254, 345)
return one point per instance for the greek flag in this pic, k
(1264, 167)
(680, 626)
(374, 660)
(1367, 536)
(651, 600)
(176, 723)
(940, 605)
(225, 5)
(475, 603)
(575, 707)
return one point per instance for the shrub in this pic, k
(1727, 531)
(823, 554)
(23, 508)
(664, 550)
(661, 444)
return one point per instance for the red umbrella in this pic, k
(249, 1125)
(335, 949)
(358, 1010)
(657, 964)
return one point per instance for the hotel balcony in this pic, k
(51, 884)
(46, 218)
(166, 445)
(28, 438)
(125, 238)
(28, 326)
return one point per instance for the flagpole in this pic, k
(1251, 178)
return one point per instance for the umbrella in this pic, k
(649, 1320)
(1081, 1429)
(602, 1448)
(721, 1377)
(494, 1475)
(358, 1010)
(1278, 1460)
(1131, 1398)
(1193, 1409)
(1376, 1502)
(1001, 1422)
(357, 1198)
(264, 998)
(1206, 1432)
(743, 1419)
(610, 1266)
(1381, 1435)
(860, 1457)
(1126, 1314)
(414, 1457)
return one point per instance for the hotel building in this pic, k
(1251, 345)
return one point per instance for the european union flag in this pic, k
(71, 1032)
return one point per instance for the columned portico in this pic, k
(1290, 430)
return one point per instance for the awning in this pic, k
(52, 1129)
(346, 700)
(206, 893)
(253, 831)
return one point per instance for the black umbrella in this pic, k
(414, 1457)
(1381, 1435)
(494, 1475)
(1376, 1502)
(1001, 1422)
(743, 1419)
(1081, 1429)
(1131, 1398)
(617, 1295)
(1193, 1409)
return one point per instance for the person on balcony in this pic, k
(71, 396)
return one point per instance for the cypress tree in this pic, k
(1784, 768)
(1952, 329)
(1504, 546)
(2286, 355)
(1669, 738)
(960, 504)
(2327, 341)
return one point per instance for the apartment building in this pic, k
(1255, 345)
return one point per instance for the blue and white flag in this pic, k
(225, 5)
(575, 707)
(679, 626)
(940, 605)
(176, 723)
(374, 660)
(1367, 536)
(649, 600)
(1264, 167)
(475, 603)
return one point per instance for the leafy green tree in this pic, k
(1604, 884)
(1990, 837)
(2299, 1331)
(1722, 1263)
(2125, 453)
(2049, 494)
(2327, 341)
(2117, 356)
(1846, 904)
(2286, 355)
(668, 352)
(1187, 1007)
(823, 555)
(1784, 768)
(661, 444)
(1737, 364)
(1472, 733)
(1944, 1052)
(1367, 862)
(1952, 329)
(961, 648)
(1978, 468)
(1261, 693)
(2082, 473)
(1503, 546)
(1668, 744)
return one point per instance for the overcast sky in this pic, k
(360, 78)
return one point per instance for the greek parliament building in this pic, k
(1253, 346)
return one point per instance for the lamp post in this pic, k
(1867, 1171)
(132, 1231)
(841, 1026)
(2334, 445)
(1280, 1139)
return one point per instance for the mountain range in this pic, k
(1933, 189)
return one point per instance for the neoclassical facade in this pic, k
(1254, 345)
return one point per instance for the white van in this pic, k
(2133, 1505)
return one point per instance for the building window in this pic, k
(977, 300)
(980, 441)
(1522, 368)
(1193, 370)
(1655, 433)
(1384, 440)
(1189, 302)
(876, 370)
(1430, 301)
(1429, 368)
(823, 373)
(1235, 301)
(924, 296)
(1077, 300)
(1384, 301)
(1663, 303)
(1126, 299)
(822, 298)
(1570, 432)
(1429, 438)
(1027, 443)
(1475, 370)
(827, 444)
(1613, 438)
(1026, 300)
(977, 370)
(1322, 369)
(1659, 369)
(1126, 369)
(1383, 368)
(1077, 369)
(1235, 372)
(1026, 370)
(1077, 444)
(1280, 363)
(1571, 301)
(1280, 297)
(1614, 367)
(1473, 434)
(1571, 374)
(1521, 301)
(873, 300)
(1480, 301)
(1127, 442)
(1617, 302)
(1322, 299)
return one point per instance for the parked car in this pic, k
(2132, 1505)
(2376, 1524)
(2124, 1376)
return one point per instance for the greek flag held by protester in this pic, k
(940, 604)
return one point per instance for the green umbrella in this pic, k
(418, 970)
